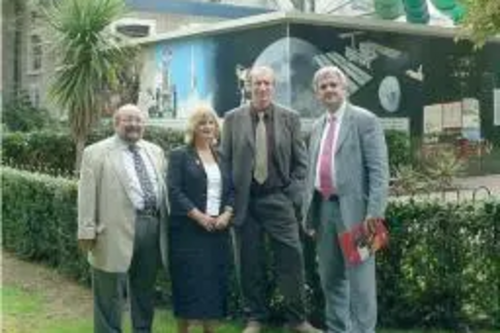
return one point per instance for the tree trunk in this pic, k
(80, 145)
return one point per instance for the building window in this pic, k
(35, 53)
(34, 94)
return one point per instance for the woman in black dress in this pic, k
(201, 206)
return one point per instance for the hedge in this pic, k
(54, 152)
(39, 220)
(442, 267)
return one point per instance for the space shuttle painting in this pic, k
(420, 83)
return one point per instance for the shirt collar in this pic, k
(122, 144)
(268, 112)
(340, 112)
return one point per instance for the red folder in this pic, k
(361, 241)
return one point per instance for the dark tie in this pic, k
(260, 169)
(325, 166)
(144, 180)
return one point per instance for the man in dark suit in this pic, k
(262, 142)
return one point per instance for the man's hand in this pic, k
(311, 233)
(371, 224)
(86, 245)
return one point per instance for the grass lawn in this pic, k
(25, 312)
(37, 300)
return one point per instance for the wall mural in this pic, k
(183, 77)
(415, 83)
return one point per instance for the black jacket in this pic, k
(187, 181)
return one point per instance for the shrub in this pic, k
(54, 152)
(399, 146)
(440, 270)
(19, 114)
(442, 267)
(39, 220)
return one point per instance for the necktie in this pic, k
(144, 180)
(260, 170)
(325, 166)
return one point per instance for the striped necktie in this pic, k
(144, 179)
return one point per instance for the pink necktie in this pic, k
(325, 167)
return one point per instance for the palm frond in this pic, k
(90, 56)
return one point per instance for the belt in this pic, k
(332, 197)
(148, 211)
(260, 190)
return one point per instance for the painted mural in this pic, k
(183, 76)
(415, 83)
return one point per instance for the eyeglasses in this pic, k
(326, 85)
(132, 119)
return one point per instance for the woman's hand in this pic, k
(206, 221)
(222, 221)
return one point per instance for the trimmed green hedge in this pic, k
(39, 220)
(442, 268)
(54, 152)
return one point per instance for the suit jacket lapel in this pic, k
(278, 121)
(345, 127)
(154, 161)
(277, 127)
(116, 155)
(193, 154)
(316, 135)
(247, 127)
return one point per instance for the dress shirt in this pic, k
(338, 116)
(136, 190)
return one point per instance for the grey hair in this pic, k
(327, 71)
(262, 69)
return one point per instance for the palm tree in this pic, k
(90, 58)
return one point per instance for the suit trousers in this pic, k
(141, 277)
(273, 214)
(350, 292)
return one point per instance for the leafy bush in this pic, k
(442, 267)
(45, 151)
(440, 270)
(19, 114)
(54, 152)
(39, 220)
(399, 146)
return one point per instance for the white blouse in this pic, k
(214, 188)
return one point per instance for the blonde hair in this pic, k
(200, 113)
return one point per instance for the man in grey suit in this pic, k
(347, 183)
(121, 206)
(263, 143)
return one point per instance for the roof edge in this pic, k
(268, 19)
